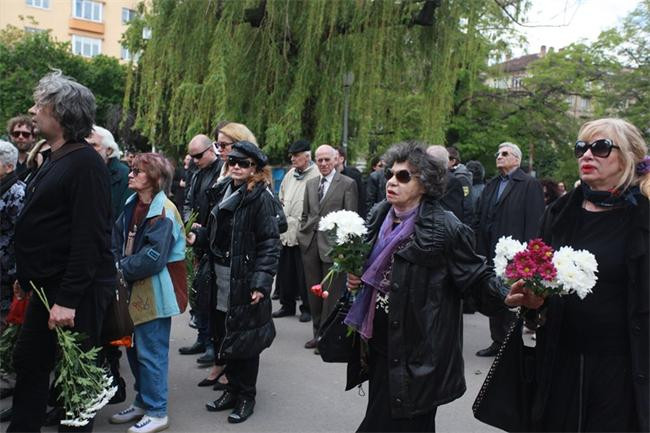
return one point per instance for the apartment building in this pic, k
(91, 26)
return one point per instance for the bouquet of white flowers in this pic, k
(546, 272)
(346, 230)
(85, 387)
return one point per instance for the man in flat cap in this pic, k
(290, 280)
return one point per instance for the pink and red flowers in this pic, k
(534, 261)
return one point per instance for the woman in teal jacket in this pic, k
(149, 242)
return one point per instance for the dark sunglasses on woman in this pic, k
(242, 163)
(402, 176)
(600, 148)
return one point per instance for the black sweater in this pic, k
(63, 234)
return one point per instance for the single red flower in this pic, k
(547, 271)
(511, 271)
(317, 289)
(526, 268)
(325, 294)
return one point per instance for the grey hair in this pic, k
(515, 149)
(108, 141)
(72, 104)
(439, 153)
(431, 173)
(8, 154)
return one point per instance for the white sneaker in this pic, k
(129, 414)
(149, 424)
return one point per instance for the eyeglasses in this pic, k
(200, 154)
(136, 171)
(222, 144)
(242, 163)
(504, 153)
(402, 176)
(25, 134)
(600, 148)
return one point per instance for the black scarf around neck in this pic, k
(610, 199)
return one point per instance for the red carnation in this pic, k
(317, 289)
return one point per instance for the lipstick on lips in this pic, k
(587, 168)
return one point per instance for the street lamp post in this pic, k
(348, 79)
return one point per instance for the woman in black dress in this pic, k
(592, 354)
(409, 302)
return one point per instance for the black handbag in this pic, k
(117, 320)
(505, 398)
(335, 341)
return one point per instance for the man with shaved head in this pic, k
(204, 154)
(452, 200)
(328, 192)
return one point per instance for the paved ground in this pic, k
(297, 392)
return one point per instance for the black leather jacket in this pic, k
(430, 276)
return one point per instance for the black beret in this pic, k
(299, 146)
(246, 149)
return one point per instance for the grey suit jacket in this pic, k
(341, 194)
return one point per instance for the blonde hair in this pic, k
(632, 148)
(263, 175)
(238, 132)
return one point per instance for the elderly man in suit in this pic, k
(329, 192)
(511, 204)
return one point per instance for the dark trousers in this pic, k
(290, 281)
(499, 325)
(241, 373)
(315, 271)
(35, 355)
(378, 417)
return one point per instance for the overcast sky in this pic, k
(578, 19)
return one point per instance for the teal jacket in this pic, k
(159, 245)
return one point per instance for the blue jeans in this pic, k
(149, 361)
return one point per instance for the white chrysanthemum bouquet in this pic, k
(546, 272)
(347, 230)
(84, 387)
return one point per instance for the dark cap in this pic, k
(299, 146)
(246, 149)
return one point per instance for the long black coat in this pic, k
(517, 213)
(430, 276)
(254, 254)
(557, 230)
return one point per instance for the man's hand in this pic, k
(523, 296)
(61, 316)
(256, 296)
(19, 293)
(190, 238)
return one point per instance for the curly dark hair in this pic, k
(430, 173)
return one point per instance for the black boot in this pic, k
(242, 411)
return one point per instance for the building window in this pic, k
(87, 10)
(43, 4)
(86, 47)
(125, 54)
(128, 15)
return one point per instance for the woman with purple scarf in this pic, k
(409, 299)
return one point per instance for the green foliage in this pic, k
(205, 62)
(613, 73)
(26, 57)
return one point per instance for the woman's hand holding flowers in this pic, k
(520, 295)
(353, 282)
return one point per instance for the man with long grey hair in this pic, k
(62, 243)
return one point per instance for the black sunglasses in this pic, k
(242, 163)
(402, 176)
(200, 154)
(504, 153)
(222, 144)
(600, 148)
(16, 134)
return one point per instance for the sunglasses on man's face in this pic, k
(503, 153)
(200, 154)
(600, 148)
(242, 163)
(402, 176)
(25, 134)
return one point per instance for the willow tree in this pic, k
(278, 66)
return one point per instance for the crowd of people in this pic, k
(76, 216)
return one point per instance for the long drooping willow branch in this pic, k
(283, 75)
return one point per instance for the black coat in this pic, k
(430, 276)
(196, 198)
(517, 213)
(375, 190)
(355, 175)
(452, 200)
(254, 253)
(557, 230)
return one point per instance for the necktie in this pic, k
(321, 188)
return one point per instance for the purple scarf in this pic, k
(362, 311)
